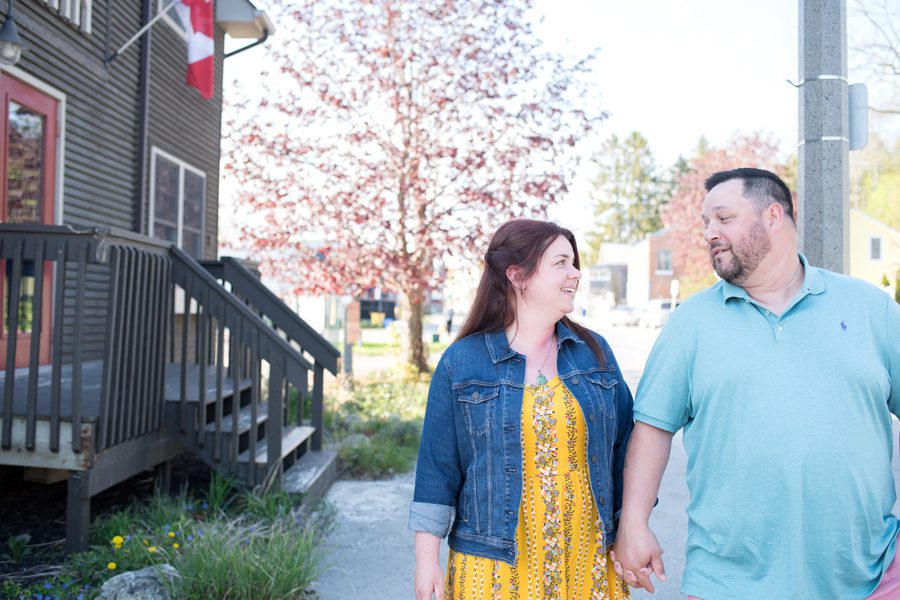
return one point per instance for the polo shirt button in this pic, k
(575, 381)
(780, 328)
(595, 459)
(591, 417)
(767, 313)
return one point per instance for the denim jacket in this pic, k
(469, 472)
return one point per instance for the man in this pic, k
(783, 377)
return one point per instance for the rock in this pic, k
(355, 440)
(147, 584)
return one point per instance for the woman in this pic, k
(524, 440)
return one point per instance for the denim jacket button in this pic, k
(595, 459)
(475, 395)
(574, 381)
(601, 500)
(591, 417)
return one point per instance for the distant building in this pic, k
(874, 250)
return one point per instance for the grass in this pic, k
(231, 543)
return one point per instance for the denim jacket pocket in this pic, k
(477, 401)
(603, 386)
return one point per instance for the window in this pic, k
(171, 16)
(77, 12)
(177, 202)
(663, 261)
(875, 248)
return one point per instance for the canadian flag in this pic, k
(197, 16)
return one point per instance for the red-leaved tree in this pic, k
(681, 215)
(389, 135)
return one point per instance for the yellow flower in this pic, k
(171, 534)
(151, 549)
(146, 543)
(118, 540)
(111, 566)
(175, 545)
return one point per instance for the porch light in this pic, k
(10, 43)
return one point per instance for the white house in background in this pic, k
(874, 250)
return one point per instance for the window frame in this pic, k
(160, 5)
(880, 240)
(660, 271)
(183, 166)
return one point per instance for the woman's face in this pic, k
(553, 285)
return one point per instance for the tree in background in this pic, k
(878, 50)
(628, 191)
(682, 212)
(389, 135)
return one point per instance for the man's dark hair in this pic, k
(761, 186)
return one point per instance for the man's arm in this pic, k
(636, 548)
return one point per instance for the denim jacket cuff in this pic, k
(436, 519)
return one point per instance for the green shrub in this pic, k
(387, 408)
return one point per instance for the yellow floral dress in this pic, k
(559, 536)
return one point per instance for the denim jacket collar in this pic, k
(498, 345)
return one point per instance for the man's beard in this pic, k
(746, 255)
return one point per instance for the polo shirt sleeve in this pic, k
(664, 392)
(893, 352)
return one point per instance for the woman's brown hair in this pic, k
(519, 243)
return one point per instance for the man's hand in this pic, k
(637, 555)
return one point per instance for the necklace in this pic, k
(541, 380)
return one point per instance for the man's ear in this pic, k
(514, 274)
(775, 215)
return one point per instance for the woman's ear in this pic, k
(514, 274)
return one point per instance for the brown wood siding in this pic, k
(100, 173)
(101, 185)
(185, 125)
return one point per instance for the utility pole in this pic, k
(824, 173)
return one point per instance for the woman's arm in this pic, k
(429, 577)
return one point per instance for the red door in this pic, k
(27, 192)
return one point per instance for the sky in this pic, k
(676, 71)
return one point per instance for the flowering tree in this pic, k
(393, 134)
(682, 212)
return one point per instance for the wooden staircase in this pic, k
(249, 421)
(153, 353)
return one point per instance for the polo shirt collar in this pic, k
(813, 283)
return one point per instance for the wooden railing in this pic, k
(114, 315)
(242, 346)
(246, 286)
(46, 253)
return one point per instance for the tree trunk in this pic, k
(416, 353)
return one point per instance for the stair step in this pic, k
(312, 475)
(244, 419)
(291, 440)
(173, 383)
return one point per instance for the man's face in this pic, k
(735, 232)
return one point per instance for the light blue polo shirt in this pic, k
(787, 430)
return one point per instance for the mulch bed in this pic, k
(40, 509)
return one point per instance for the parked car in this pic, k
(657, 313)
(623, 315)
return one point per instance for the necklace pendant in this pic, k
(541, 380)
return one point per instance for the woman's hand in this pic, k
(429, 577)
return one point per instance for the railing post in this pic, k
(318, 406)
(276, 421)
